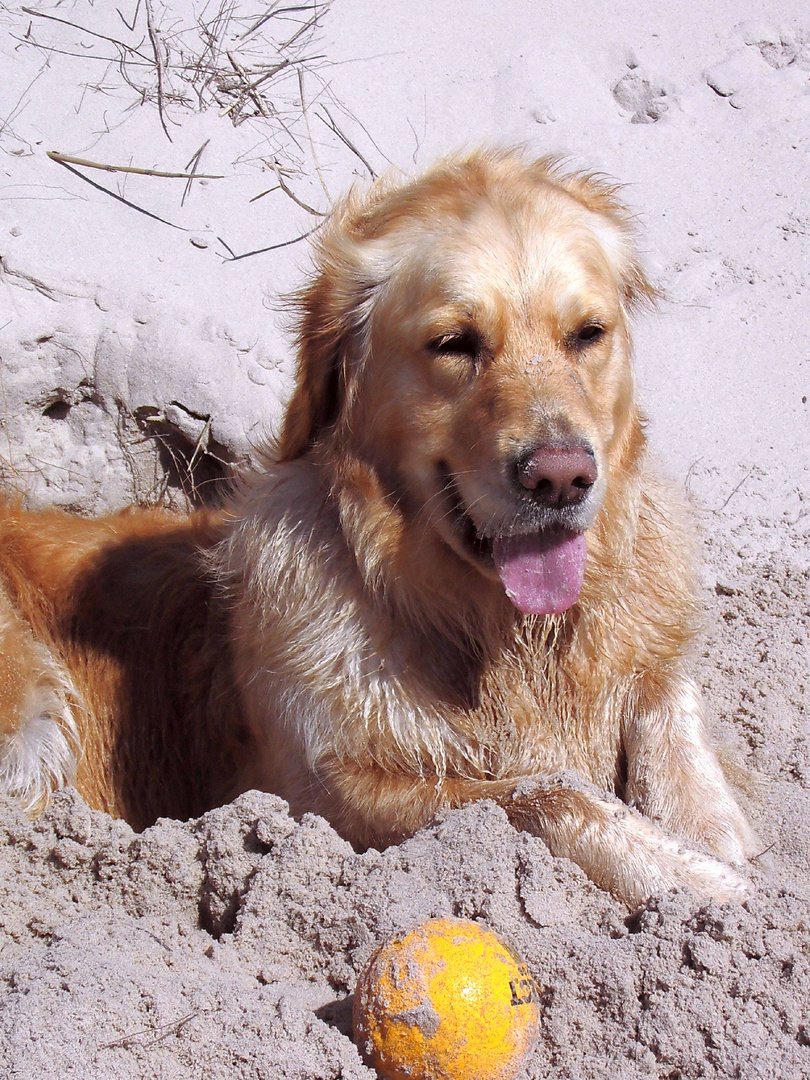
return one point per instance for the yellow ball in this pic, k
(446, 1001)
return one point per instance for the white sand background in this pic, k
(132, 355)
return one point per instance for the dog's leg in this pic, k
(673, 775)
(619, 849)
(38, 736)
(616, 847)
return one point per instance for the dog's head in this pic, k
(465, 338)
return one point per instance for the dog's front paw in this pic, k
(732, 839)
(710, 877)
(620, 849)
(717, 824)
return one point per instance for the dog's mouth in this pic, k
(541, 569)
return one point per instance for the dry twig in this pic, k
(270, 247)
(134, 17)
(305, 112)
(4, 124)
(734, 491)
(193, 174)
(120, 198)
(55, 155)
(332, 125)
(764, 851)
(153, 37)
(285, 187)
(272, 13)
(200, 447)
(267, 191)
(304, 27)
(158, 1034)
(84, 30)
(248, 88)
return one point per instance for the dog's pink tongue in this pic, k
(542, 573)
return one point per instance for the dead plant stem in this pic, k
(153, 37)
(120, 198)
(84, 30)
(55, 155)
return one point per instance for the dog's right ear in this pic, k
(315, 402)
(332, 311)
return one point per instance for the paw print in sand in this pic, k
(644, 99)
(744, 78)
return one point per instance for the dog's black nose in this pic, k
(557, 476)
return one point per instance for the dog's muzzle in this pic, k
(539, 554)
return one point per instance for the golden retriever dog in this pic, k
(453, 577)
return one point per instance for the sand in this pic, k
(137, 364)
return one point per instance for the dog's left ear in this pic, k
(614, 226)
(332, 312)
(616, 235)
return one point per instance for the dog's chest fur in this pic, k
(431, 702)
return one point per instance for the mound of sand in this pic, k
(230, 946)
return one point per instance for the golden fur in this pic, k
(341, 634)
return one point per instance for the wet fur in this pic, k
(329, 636)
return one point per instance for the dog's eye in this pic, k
(588, 335)
(464, 343)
